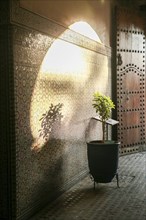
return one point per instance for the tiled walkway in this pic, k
(106, 202)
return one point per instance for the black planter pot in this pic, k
(103, 160)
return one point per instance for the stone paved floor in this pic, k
(106, 202)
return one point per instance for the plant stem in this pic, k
(103, 129)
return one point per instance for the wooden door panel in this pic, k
(131, 101)
(132, 140)
(131, 119)
(131, 75)
(130, 79)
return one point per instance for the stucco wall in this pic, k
(47, 167)
(96, 13)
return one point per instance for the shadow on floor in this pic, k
(106, 202)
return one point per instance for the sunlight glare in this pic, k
(85, 29)
(68, 73)
(64, 58)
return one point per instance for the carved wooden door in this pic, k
(130, 80)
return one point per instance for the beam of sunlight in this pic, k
(69, 74)
(85, 29)
(65, 59)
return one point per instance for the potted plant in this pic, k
(103, 154)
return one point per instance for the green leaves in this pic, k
(103, 105)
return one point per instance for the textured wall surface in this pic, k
(62, 157)
(96, 13)
(48, 73)
(7, 134)
(56, 71)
